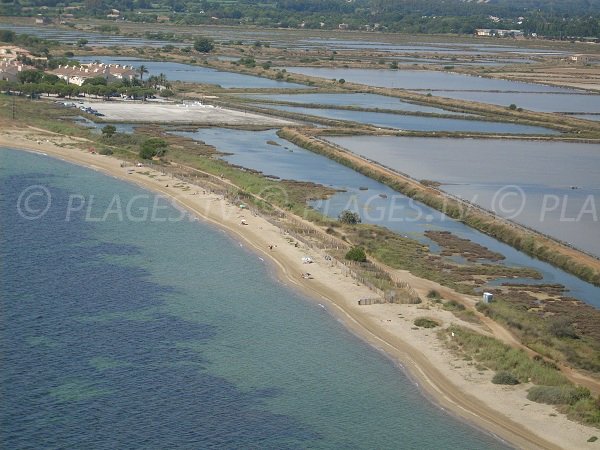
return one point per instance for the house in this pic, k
(42, 20)
(488, 297)
(114, 14)
(498, 32)
(9, 70)
(110, 72)
(579, 59)
(483, 32)
(12, 52)
(343, 26)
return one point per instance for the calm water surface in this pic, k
(195, 74)
(423, 79)
(358, 99)
(544, 102)
(529, 182)
(168, 334)
(366, 196)
(416, 123)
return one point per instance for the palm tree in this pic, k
(142, 70)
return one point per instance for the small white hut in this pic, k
(488, 297)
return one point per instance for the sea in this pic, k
(128, 323)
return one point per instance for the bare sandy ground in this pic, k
(154, 112)
(454, 384)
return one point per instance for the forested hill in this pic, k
(552, 18)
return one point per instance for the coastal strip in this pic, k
(582, 265)
(497, 409)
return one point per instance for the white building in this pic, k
(9, 70)
(110, 72)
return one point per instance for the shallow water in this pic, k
(544, 102)
(358, 100)
(166, 333)
(377, 204)
(126, 128)
(195, 74)
(423, 79)
(416, 123)
(534, 179)
(94, 39)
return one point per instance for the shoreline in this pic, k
(427, 364)
(506, 231)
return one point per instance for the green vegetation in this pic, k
(356, 254)
(520, 239)
(434, 295)
(561, 329)
(349, 217)
(424, 322)
(500, 357)
(576, 402)
(552, 387)
(51, 85)
(453, 305)
(109, 130)
(559, 18)
(505, 377)
(153, 147)
(204, 45)
(557, 395)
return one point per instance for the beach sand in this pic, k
(454, 384)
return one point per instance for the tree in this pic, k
(7, 36)
(204, 45)
(30, 76)
(142, 70)
(95, 81)
(349, 217)
(109, 130)
(153, 147)
(82, 42)
(356, 254)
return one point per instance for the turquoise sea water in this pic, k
(166, 333)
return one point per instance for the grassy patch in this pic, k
(504, 377)
(553, 388)
(497, 356)
(424, 322)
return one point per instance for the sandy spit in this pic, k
(453, 384)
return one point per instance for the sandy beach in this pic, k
(452, 383)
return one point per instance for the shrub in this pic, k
(433, 294)
(453, 305)
(106, 151)
(356, 254)
(424, 322)
(512, 107)
(109, 130)
(204, 45)
(562, 328)
(557, 395)
(153, 147)
(504, 377)
(349, 217)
